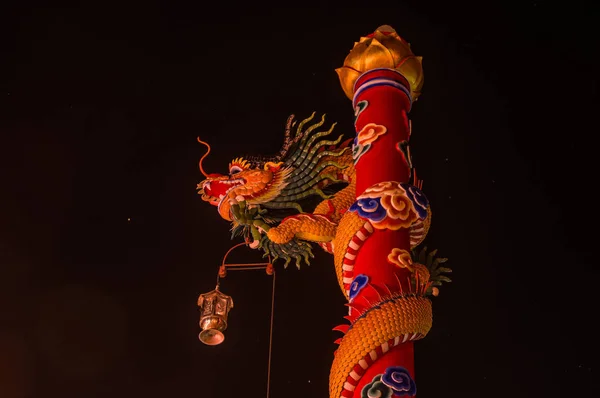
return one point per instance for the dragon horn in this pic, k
(204, 156)
(288, 126)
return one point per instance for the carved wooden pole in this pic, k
(386, 290)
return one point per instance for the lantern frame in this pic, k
(214, 306)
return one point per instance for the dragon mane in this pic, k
(312, 174)
(305, 154)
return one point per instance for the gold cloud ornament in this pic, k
(401, 258)
(382, 49)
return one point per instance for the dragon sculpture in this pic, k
(306, 194)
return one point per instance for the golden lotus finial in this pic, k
(382, 49)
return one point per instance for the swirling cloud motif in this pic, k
(399, 380)
(369, 133)
(366, 137)
(401, 258)
(391, 205)
(359, 282)
(418, 199)
(369, 208)
(359, 150)
(376, 389)
(360, 106)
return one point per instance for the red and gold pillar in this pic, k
(385, 289)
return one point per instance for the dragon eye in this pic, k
(235, 169)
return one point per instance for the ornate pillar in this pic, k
(385, 288)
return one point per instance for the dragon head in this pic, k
(259, 193)
(246, 182)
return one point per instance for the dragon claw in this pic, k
(306, 258)
(287, 261)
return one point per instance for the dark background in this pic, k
(105, 245)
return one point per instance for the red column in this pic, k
(386, 290)
(388, 102)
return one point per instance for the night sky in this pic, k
(105, 244)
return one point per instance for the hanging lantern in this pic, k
(214, 308)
